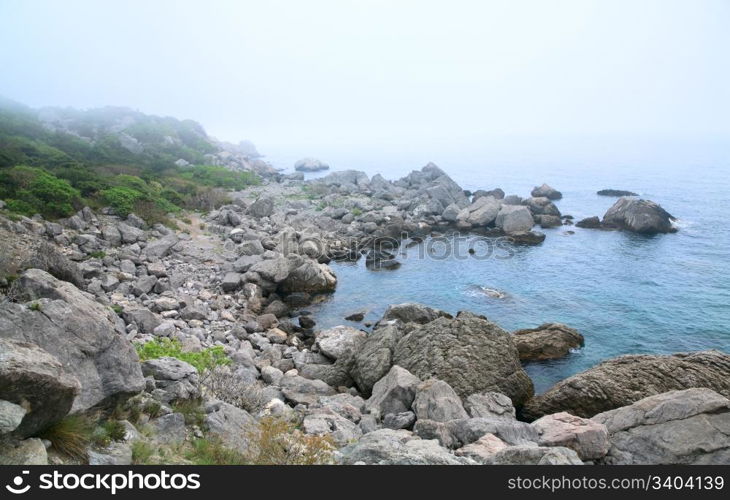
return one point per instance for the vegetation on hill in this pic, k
(55, 161)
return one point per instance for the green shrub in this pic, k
(71, 436)
(205, 360)
(221, 177)
(141, 452)
(30, 190)
(210, 451)
(121, 199)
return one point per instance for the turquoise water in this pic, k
(626, 293)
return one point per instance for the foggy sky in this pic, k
(368, 72)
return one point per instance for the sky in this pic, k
(320, 72)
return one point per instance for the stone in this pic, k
(546, 191)
(233, 426)
(339, 341)
(144, 285)
(589, 223)
(372, 361)
(483, 211)
(398, 447)
(145, 320)
(231, 282)
(307, 275)
(329, 423)
(300, 390)
(690, 426)
(469, 353)
(310, 165)
(639, 216)
(588, 438)
(547, 341)
(615, 193)
(161, 247)
(263, 207)
(175, 379)
(34, 382)
(411, 312)
(11, 415)
(534, 455)
(514, 219)
(483, 449)
(402, 420)
(490, 405)
(28, 452)
(436, 400)
(627, 379)
(85, 336)
(394, 393)
(275, 270)
(114, 454)
(169, 429)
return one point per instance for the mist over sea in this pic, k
(625, 293)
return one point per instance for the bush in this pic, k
(210, 451)
(29, 190)
(221, 384)
(141, 453)
(121, 199)
(278, 442)
(203, 361)
(71, 436)
(221, 177)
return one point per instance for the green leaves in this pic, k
(205, 360)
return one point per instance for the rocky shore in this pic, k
(82, 297)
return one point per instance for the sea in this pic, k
(626, 293)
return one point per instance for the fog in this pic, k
(395, 73)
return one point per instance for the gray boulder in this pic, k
(398, 447)
(546, 191)
(174, 379)
(307, 275)
(469, 353)
(514, 219)
(230, 424)
(310, 165)
(490, 405)
(534, 455)
(394, 393)
(548, 341)
(86, 337)
(27, 452)
(677, 427)
(372, 361)
(323, 422)
(263, 207)
(483, 211)
(410, 312)
(161, 247)
(339, 341)
(436, 400)
(33, 387)
(624, 380)
(639, 216)
(588, 438)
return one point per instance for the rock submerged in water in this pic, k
(624, 380)
(548, 341)
(615, 192)
(639, 216)
(310, 165)
(546, 191)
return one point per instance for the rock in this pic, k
(49, 258)
(144, 285)
(394, 393)
(615, 192)
(464, 431)
(11, 415)
(624, 380)
(274, 270)
(28, 452)
(639, 216)
(145, 319)
(402, 420)
(169, 429)
(263, 207)
(328, 423)
(245, 262)
(548, 221)
(339, 341)
(532, 455)
(232, 425)
(490, 405)
(36, 380)
(469, 353)
(589, 223)
(356, 316)
(114, 454)
(497, 194)
(547, 341)
(410, 312)
(588, 438)
(130, 234)
(300, 390)
(398, 447)
(112, 235)
(161, 247)
(526, 238)
(85, 336)
(231, 282)
(251, 248)
(451, 213)
(514, 219)
(483, 449)
(267, 321)
(372, 361)
(436, 400)
(307, 275)
(677, 427)
(483, 211)
(175, 380)
(194, 311)
(546, 192)
(310, 165)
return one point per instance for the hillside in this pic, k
(54, 161)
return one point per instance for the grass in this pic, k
(142, 453)
(35, 306)
(205, 360)
(97, 255)
(192, 410)
(211, 451)
(71, 436)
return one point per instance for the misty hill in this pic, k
(55, 160)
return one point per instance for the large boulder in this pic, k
(546, 191)
(310, 165)
(436, 400)
(514, 219)
(161, 247)
(678, 427)
(548, 341)
(34, 380)
(469, 353)
(307, 275)
(483, 211)
(398, 447)
(410, 312)
(639, 216)
(373, 359)
(175, 380)
(263, 207)
(86, 337)
(588, 438)
(339, 341)
(627, 379)
(394, 393)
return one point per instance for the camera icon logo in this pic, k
(17, 487)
